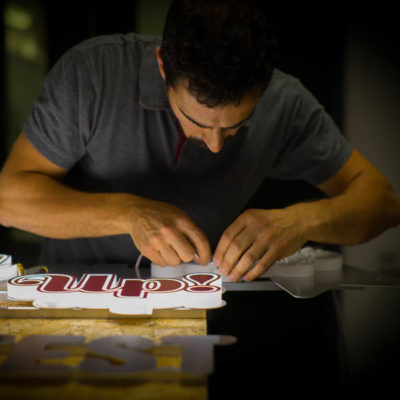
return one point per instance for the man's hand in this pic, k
(166, 235)
(265, 235)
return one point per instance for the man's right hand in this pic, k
(166, 235)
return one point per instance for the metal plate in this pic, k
(320, 282)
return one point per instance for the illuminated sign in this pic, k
(121, 296)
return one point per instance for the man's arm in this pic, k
(362, 205)
(32, 198)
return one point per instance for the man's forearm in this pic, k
(360, 213)
(40, 204)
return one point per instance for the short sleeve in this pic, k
(314, 149)
(59, 123)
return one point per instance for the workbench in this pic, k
(263, 338)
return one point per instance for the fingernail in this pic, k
(196, 258)
(232, 278)
(216, 262)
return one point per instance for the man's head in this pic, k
(216, 57)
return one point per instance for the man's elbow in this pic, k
(388, 210)
(383, 212)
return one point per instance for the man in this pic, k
(103, 166)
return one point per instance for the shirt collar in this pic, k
(151, 84)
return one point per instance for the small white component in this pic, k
(5, 259)
(325, 260)
(8, 270)
(305, 262)
(178, 271)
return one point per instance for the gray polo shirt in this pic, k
(103, 114)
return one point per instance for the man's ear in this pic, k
(160, 62)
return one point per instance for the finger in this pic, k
(199, 241)
(182, 246)
(269, 258)
(226, 239)
(160, 245)
(238, 246)
(169, 255)
(248, 260)
(149, 250)
(155, 257)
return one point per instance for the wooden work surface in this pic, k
(92, 328)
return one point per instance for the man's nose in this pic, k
(214, 140)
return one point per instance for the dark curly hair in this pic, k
(225, 49)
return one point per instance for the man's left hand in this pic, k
(259, 235)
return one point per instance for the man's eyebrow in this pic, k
(210, 127)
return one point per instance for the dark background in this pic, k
(2, 104)
(312, 47)
(312, 41)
